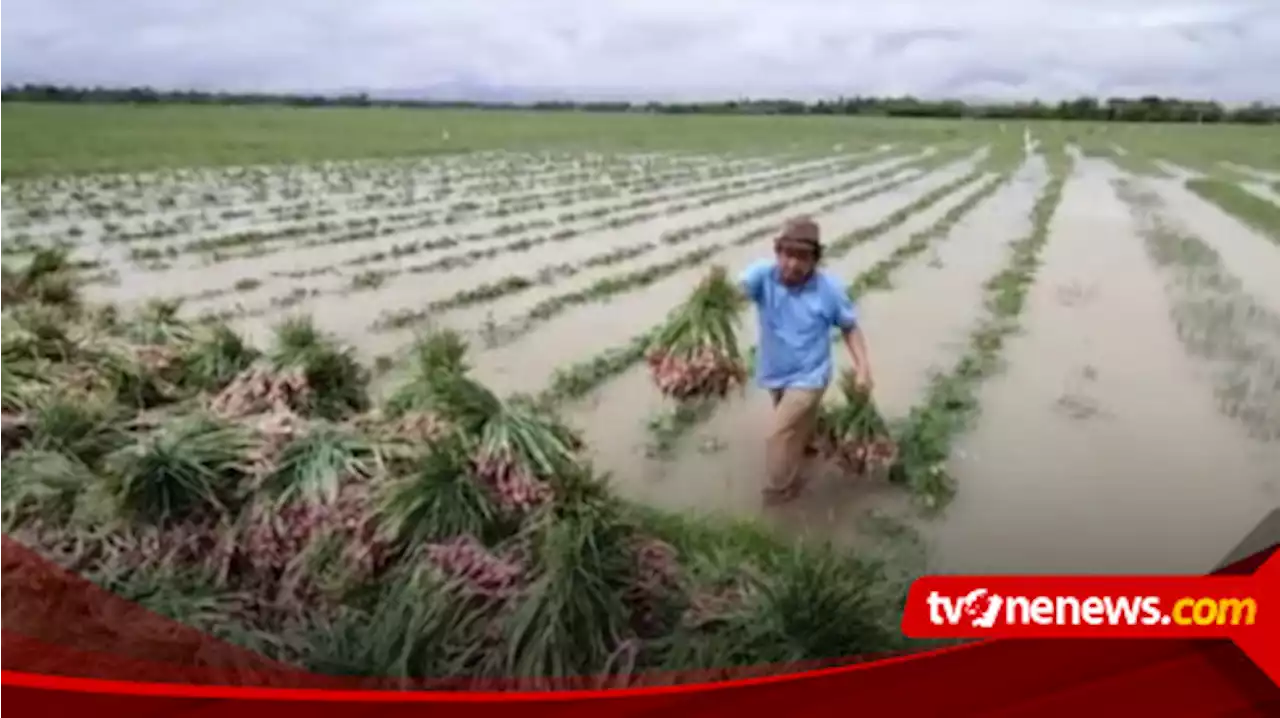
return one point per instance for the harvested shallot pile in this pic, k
(465, 559)
(515, 448)
(284, 544)
(520, 453)
(854, 434)
(260, 389)
(695, 354)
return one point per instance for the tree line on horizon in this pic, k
(1113, 109)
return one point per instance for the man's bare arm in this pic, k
(856, 343)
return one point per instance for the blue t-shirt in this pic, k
(795, 326)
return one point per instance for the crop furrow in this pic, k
(109, 211)
(182, 279)
(925, 436)
(1249, 208)
(565, 234)
(618, 284)
(1216, 318)
(705, 197)
(580, 379)
(669, 428)
(377, 180)
(379, 223)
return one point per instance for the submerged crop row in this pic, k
(373, 183)
(926, 434)
(669, 428)
(613, 285)
(374, 278)
(1251, 209)
(580, 379)
(514, 226)
(1215, 318)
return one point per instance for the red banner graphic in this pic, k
(1243, 609)
(1198, 670)
(1080, 607)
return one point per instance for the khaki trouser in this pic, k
(795, 412)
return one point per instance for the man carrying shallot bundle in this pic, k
(798, 304)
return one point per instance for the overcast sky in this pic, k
(1225, 49)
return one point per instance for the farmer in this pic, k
(798, 304)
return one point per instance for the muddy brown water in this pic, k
(1217, 319)
(189, 278)
(601, 319)
(351, 313)
(584, 331)
(1100, 448)
(133, 208)
(1249, 256)
(719, 465)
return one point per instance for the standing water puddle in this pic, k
(1249, 256)
(719, 467)
(1100, 449)
(528, 363)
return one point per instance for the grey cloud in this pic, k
(1228, 49)
(889, 43)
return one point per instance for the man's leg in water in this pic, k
(811, 448)
(794, 414)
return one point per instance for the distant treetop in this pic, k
(1118, 109)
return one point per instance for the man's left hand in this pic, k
(862, 379)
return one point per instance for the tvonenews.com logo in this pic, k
(981, 608)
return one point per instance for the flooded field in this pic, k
(1093, 354)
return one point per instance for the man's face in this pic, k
(796, 263)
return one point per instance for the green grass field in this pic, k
(46, 139)
(59, 139)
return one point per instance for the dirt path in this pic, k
(718, 467)
(1100, 449)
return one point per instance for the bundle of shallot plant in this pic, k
(657, 577)
(516, 447)
(273, 431)
(854, 434)
(521, 450)
(695, 354)
(282, 544)
(478, 570)
(260, 389)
